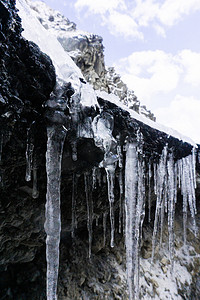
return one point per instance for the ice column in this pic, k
(187, 180)
(121, 206)
(56, 137)
(134, 209)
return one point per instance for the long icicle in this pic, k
(131, 179)
(121, 202)
(160, 176)
(110, 171)
(172, 185)
(149, 192)
(56, 137)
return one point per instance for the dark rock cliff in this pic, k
(27, 78)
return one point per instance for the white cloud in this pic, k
(138, 14)
(122, 24)
(150, 72)
(100, 6)
(173, 10)
(145, 11)
(191, 62)
(183, 115)
(159, 30)
(168, 84)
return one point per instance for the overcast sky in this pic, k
(155, 46)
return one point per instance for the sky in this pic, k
(155, 46)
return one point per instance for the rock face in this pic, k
(27, 81)
(86, 50)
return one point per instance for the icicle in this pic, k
(110, 171)
(188, 189)
(179, 166)
(149, 192)
(140, 214)
(99, 177)
(29, 157)
(104, 228)
(131, 180)
(56, 137)
(172, 185)
(1, 145)
(155, 178)
(119, 152)
(94, 178)
(160, 176)
(74, 150)
(74, 221)
(35, 192)
(89, 210)
(194, 166)
(162, 220)
(120, 178)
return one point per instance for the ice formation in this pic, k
(56, 137)
(167, 175)
(135, 211)
(135, 178)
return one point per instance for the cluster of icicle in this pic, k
(167, 176)
(135, 181)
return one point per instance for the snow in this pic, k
(171, 132)
(66, 69)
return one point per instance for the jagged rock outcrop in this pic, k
(86, 50)
(27, 81)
